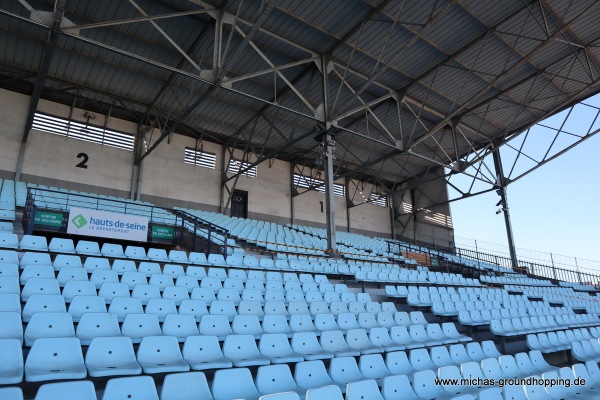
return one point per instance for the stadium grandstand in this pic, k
(250, 199)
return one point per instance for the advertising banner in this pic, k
(83, 221)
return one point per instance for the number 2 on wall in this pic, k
(83, 163)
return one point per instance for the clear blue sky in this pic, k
(553, 209)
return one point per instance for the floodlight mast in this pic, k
(501, 183)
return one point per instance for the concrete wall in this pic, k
(433, 224)
(13, 113)
(166, 176)
(165, 179)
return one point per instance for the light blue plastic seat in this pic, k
(48, 325)
(232, 295)
(330, 392)
(11, 368)
(10, 302)
(203, 352)
(36, 271)
(148, 268)
(11, 326)
(366, 389)
(131, 388)
(272, 379)
(9, 257)
(84, 304)
(335, 342)
(101, 276)
(195, 272)
(219, 273)
(88, 248)
(159, 255)
(196, 308)
(216, 260)
(358, 339)
(185, 386)
(78, 288)
(242, 351)
(276, 323)
(176, 293)
(9, 240)
(33, 242)
(159, 354)
(312, 374)
(61, 245)
(180, 326)
(109, 356)
(257, 275)
(10, 285)
(11, 393)
(74, 390)
(223, 307)
(251, 307)
(66, 260)
(344, 370)
(237, 274)
(55, 358)
(122, 266)
(205, 294)
(110, 290)
(161, 280)
(93, 263)
(121, 306)
(43, 303)
(397, 387)
(198, 258)
(97, 324)
(215, 325)
(138, 326)
(67, 274)
(136, 253)
(424, 385)
(34, 258)
(161, 308)
(247, 325)
(307, 345)
(112, 250)
(175, 270)
(277, 349)
(244, 387)
(178, 256)
(145, 293)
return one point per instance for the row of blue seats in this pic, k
(311, 381)
(113, 355)
(527, 325)
(550, 342)
(93, 318)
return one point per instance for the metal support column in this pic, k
(501, 183)
(292, 192)
(348, 204)
(328, 143)
(52, 38)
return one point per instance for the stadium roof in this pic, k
(410, 84)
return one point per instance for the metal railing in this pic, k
(203, 235)
(480, 254)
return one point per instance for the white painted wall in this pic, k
(13, 113)
(164, 174)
